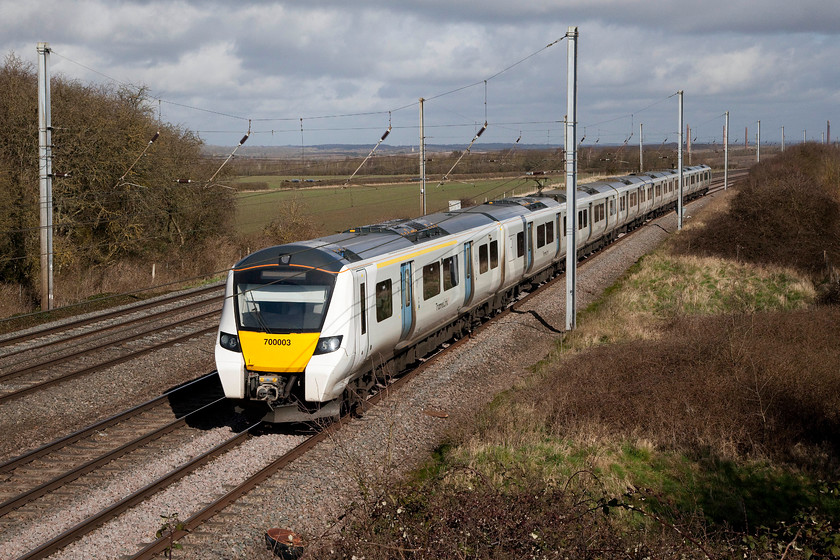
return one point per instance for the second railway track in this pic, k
(29, 367)
(60, 328)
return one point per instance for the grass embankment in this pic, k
(694, 413)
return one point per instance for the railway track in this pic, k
(66, 326)
(93, 344)
(60, 474)
(223, 500)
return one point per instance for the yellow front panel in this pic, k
(277, 353)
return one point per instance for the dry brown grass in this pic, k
(13, 300)
(762, 386)
(210, 259)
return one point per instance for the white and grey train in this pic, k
(308, 327)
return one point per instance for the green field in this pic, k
(335, 209)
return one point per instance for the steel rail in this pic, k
(161, 544)
(91, 350)
(100, 317)
(95, 521)
(146, 318)
(52, 446)
(93, 464)
(106, 364)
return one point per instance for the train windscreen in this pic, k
(282, 299)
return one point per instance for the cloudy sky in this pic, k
(342, 71)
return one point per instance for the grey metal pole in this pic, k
(680, 162)
(45, 176)
(422, 157)
(571, 178)
(758, 142)
(641, 150)
(726, 152)
(783, 139)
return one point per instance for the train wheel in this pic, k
(350, 404)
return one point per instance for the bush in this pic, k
(115, 204)
(787, 213)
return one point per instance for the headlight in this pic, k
(229, 342)
(328, 344)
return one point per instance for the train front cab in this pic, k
(270, 352)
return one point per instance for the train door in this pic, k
(468, 273)
(529, 247)
(361, 319)
(406, 299)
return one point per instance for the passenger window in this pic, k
(520, 244)
(583, 219)
(549, 232)
(431, 280)
(384, 307)
(494, 254)
(540, 235)
(450, 273)
(483, 259)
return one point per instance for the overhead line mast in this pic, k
(422, 157)
(571, 179)
(45, 176)
(680, 162)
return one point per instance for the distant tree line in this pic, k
(112, 205)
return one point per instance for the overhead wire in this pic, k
(465, 152)
(160, 101)
(381, 139)
(326, 116)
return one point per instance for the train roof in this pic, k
(610, 184)
(333, 252)
(584, 191)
